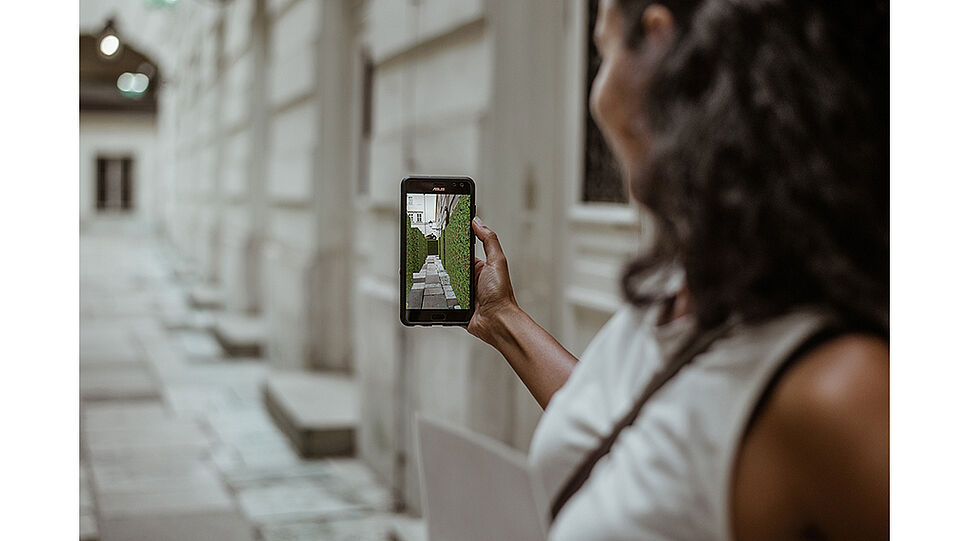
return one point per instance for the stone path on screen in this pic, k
(432, 287)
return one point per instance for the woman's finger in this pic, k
(492, 247)
(478, 265)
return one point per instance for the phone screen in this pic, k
(438, 251)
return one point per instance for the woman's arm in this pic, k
(539, 360)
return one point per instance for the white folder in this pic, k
(474, 488)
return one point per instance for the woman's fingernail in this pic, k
(478, 221)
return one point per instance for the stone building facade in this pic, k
(284, 128)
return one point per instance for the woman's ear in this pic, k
(657, 22)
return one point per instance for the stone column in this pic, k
(252, 276)
(330, 281)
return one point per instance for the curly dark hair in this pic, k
(768, 175)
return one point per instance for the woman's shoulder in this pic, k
(826, 420)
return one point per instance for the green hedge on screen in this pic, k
(416, 253)
(457, 250)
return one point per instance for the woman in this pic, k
(756, 134)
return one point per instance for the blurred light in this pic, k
(133, 83)
(109, 44)
(126, 82)
(139, 83)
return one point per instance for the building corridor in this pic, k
(175, 441)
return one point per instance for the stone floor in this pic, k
(175, 441)
(432, 287)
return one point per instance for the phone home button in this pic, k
(437, 317)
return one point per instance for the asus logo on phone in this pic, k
(437, 189)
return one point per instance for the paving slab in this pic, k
(117, 381)
(108, 342)
(288, 501)
(414, 298)
(168, 433)
(136, 473)
(122, 414)
(434, 301)
(366, 528)
(192, 498)
(195, 526)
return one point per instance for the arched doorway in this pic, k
(118, 104)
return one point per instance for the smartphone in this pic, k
(436, 250)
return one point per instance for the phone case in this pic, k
(433, 273)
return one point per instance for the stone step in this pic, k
(407, 528)
(240, 335)
(318, 411)
(205, 297)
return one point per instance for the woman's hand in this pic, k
(493, 293)
(540, 361)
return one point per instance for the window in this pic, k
(602, 180)
(366, 125)
(114, 188)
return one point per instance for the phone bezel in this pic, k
(425, 184)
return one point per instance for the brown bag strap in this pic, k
(683, 356)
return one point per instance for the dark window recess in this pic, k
(603, 180)
(114, 184)
(366, 125)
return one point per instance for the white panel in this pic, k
(238, 26)
(379, 237)
(390, 27)
(293, 229)
(291, 178)
(292, 76)
(386, 169)
(285, 284)
(454, 80)
(236, 166)
(292, 140)
(451, 149)
(376, 354)
(388, 99)
(293, 52)
(273, 7)
(295, 30)
(439, 16)
(235, 95)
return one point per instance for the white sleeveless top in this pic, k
(668, 475)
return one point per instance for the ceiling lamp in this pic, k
(108, 41)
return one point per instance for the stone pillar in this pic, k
(258, 163)
(307, 191)
(330, 282)
(521, 155)
(216, 168)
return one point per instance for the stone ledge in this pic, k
(318, 412)
(407, 528)
(240, 335)
(205, 298)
